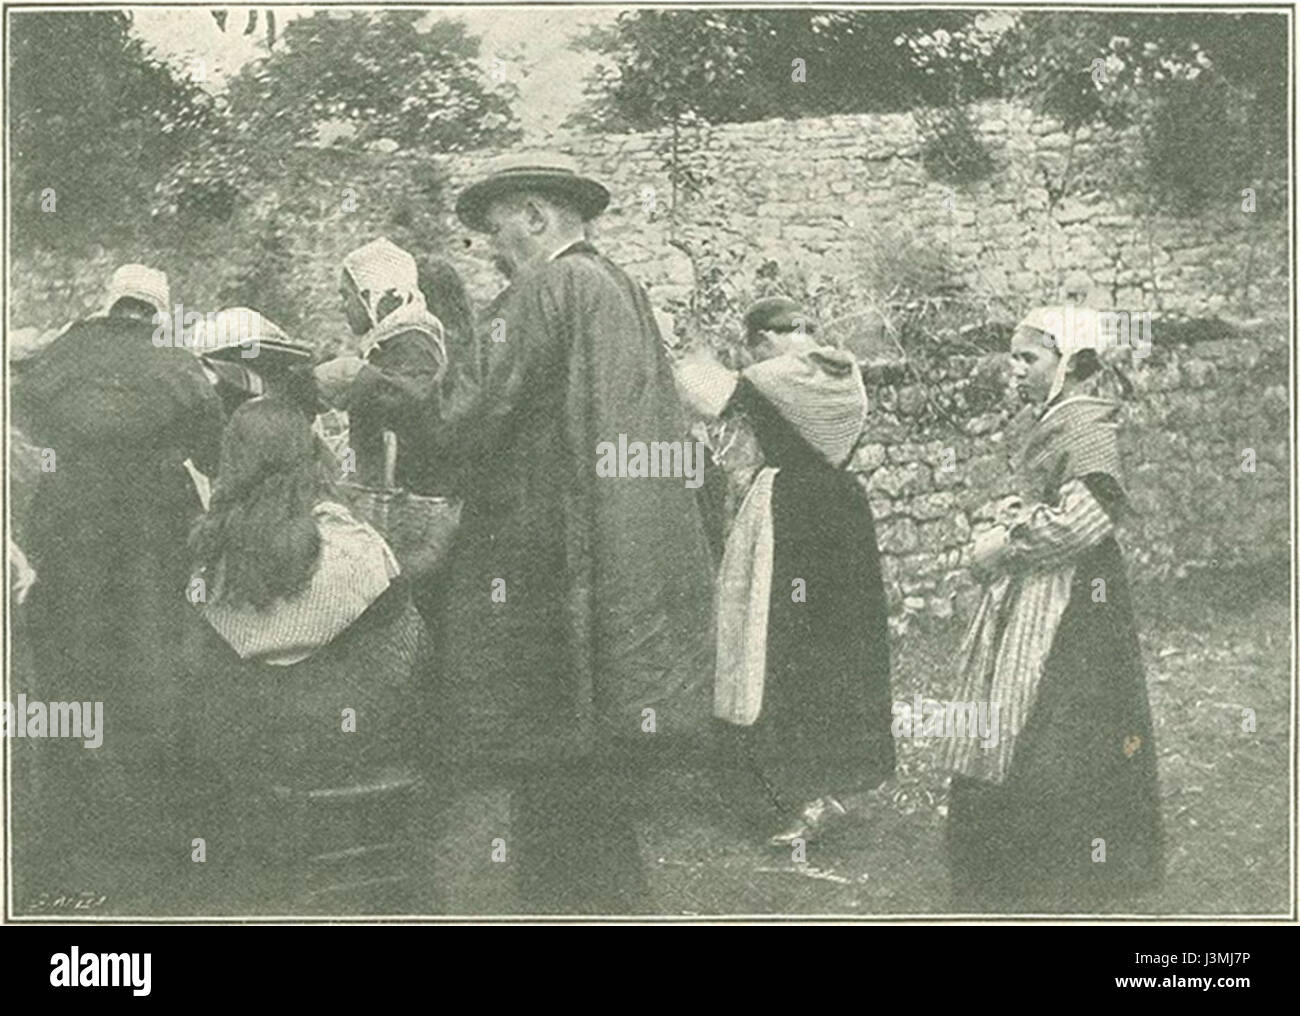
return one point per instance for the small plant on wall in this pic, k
(951, 150)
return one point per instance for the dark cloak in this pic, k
(399, 390)
(107, 537)
(607, 582)
(109, 524)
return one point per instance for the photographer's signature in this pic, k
(86, 900)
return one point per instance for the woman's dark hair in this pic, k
(258, 534)
(445, 294)
(446, 297)
(753, 335)
(131, 307)
(1087, 363)
(1084, 364)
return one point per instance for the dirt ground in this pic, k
(1214, 644)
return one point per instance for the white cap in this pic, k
(139, 282)
(1072, 329)
(234, 326)
(381, 265)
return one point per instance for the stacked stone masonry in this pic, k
(819, 196)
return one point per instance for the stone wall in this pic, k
(820, 196)
(1206, 456)
(829, 202)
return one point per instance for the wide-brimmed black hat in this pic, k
(543, 173)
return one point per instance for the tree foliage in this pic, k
(1207, 92)
(117, 134)
(738, 65)
(378, 74)
(94, 116)
(365, 77)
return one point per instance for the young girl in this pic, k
(302, 673)
(1063, 813)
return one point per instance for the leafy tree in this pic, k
(738, 65)
(379, 74)
(676, 70)
(1206, 94)
(95, 122)
(105, 132)
(367, 77)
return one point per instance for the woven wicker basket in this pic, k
(420, 528)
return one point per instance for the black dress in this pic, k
(288, 800)
(824, 726)
(1083, 775)
(107, 537)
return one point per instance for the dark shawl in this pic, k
(398, 390)
(103, 383)
(109, 525)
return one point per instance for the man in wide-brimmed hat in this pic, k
(578, 610)
(548, 181)
(548, 175)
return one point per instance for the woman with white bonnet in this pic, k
(393, 383)
(119, 416)
(1060, 811)
(245, 354)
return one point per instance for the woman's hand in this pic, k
(989, 552)
(703, 384)
(334, 378)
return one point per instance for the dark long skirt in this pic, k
(103, 621)
(1076, 826)
(301, 810)
(824, 727)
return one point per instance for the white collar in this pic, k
(564, 247)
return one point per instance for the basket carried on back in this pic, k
(419, 527)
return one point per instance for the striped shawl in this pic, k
(1002, 657)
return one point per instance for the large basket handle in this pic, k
(390, 460)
